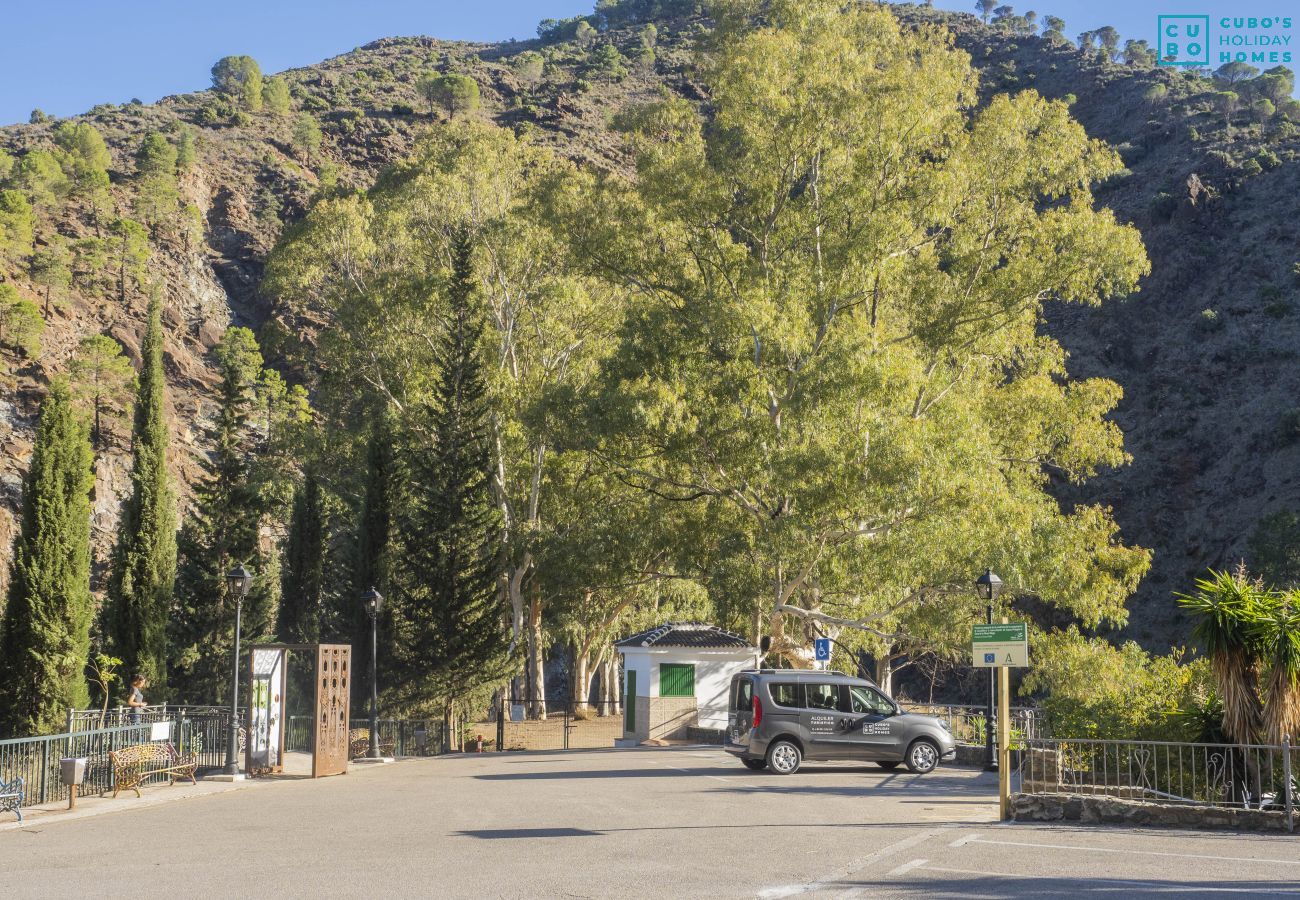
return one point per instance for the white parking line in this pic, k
(906, 867)
(791, 890)
(963, 841)
(1246, 859)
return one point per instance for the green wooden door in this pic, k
(629, 702)
(676, 680)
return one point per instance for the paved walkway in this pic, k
(638, 823)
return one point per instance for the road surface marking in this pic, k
(906, 867)
(790, 890)
(1245, 859)
(963, 841)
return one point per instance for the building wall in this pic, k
(713, 672)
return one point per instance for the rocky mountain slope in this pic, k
(1206, 351)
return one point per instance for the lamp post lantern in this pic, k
(989, 585)
(239, 580)
(374, 602)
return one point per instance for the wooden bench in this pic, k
(359, 744)
(132, 765)
(11, 796)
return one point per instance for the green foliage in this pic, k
(45, 632)
(17, 223)
(50, 268)
(1235, 72)
(608, 63)
(1088, 688)
(453, 92)
(303, 575)
(103, 382)
(40, 175)
(830, 387)
(86, 162)
(1155, 94)
(21, 323)
(306, 137)
(129, 252)
(1139, 54)
(528, 67)
(6, 164)
(584, 34)
(240, 77)
(157, 193)
(248, 484)
(275, 96)
(186, 149)
(445, 589)
(144, 560)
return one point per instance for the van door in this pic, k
(871, 732)
(740, 715)
(823, 710)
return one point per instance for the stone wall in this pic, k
(1095, 810)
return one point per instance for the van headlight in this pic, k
(943, 723)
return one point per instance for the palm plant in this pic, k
(1226, 605)
(1277, 632)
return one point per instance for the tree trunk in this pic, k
(537, 684)
(885, 672)
(615, 684)
(581, 681)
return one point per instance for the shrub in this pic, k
(403, 109)
(1209, 320)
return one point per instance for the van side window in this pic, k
(786, 694)
(744, 695)
(823, 696)
(866, 700)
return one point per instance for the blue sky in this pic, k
(65, 56)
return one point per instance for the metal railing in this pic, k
(968, 723)
(400, 737)
(567, 726)
(89, 719)
(1245, 776)
(36, 759)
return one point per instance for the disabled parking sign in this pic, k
(822, 649)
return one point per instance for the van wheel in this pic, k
(784, 757)
(757, 765)
(888, 765)
(922, 757)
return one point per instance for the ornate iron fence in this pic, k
(1246, 776)
(406, 737)
(36, 760)
(968, 723)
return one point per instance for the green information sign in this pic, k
(1006, 633)
(1004, 644)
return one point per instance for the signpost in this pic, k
(1002, 646)
(822, 651)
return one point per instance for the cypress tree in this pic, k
(304, 566)
(222, 531)
(144, 564)
(445, 579)
(374, 545)
(45, 633)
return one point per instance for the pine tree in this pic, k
(45, 633)
(445, 584)
(304, 566)
(144, 563)
(224, 530)
(374, 547)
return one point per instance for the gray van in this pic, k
(779, 717)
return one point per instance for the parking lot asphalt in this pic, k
(685, 822)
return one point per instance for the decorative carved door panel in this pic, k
(333, 669)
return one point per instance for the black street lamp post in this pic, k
(374, 602)
(989, 586)
(239, 581)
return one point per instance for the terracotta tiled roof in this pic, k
(686, 634)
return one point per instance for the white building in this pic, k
(677, 677)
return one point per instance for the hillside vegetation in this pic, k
(362, 166)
